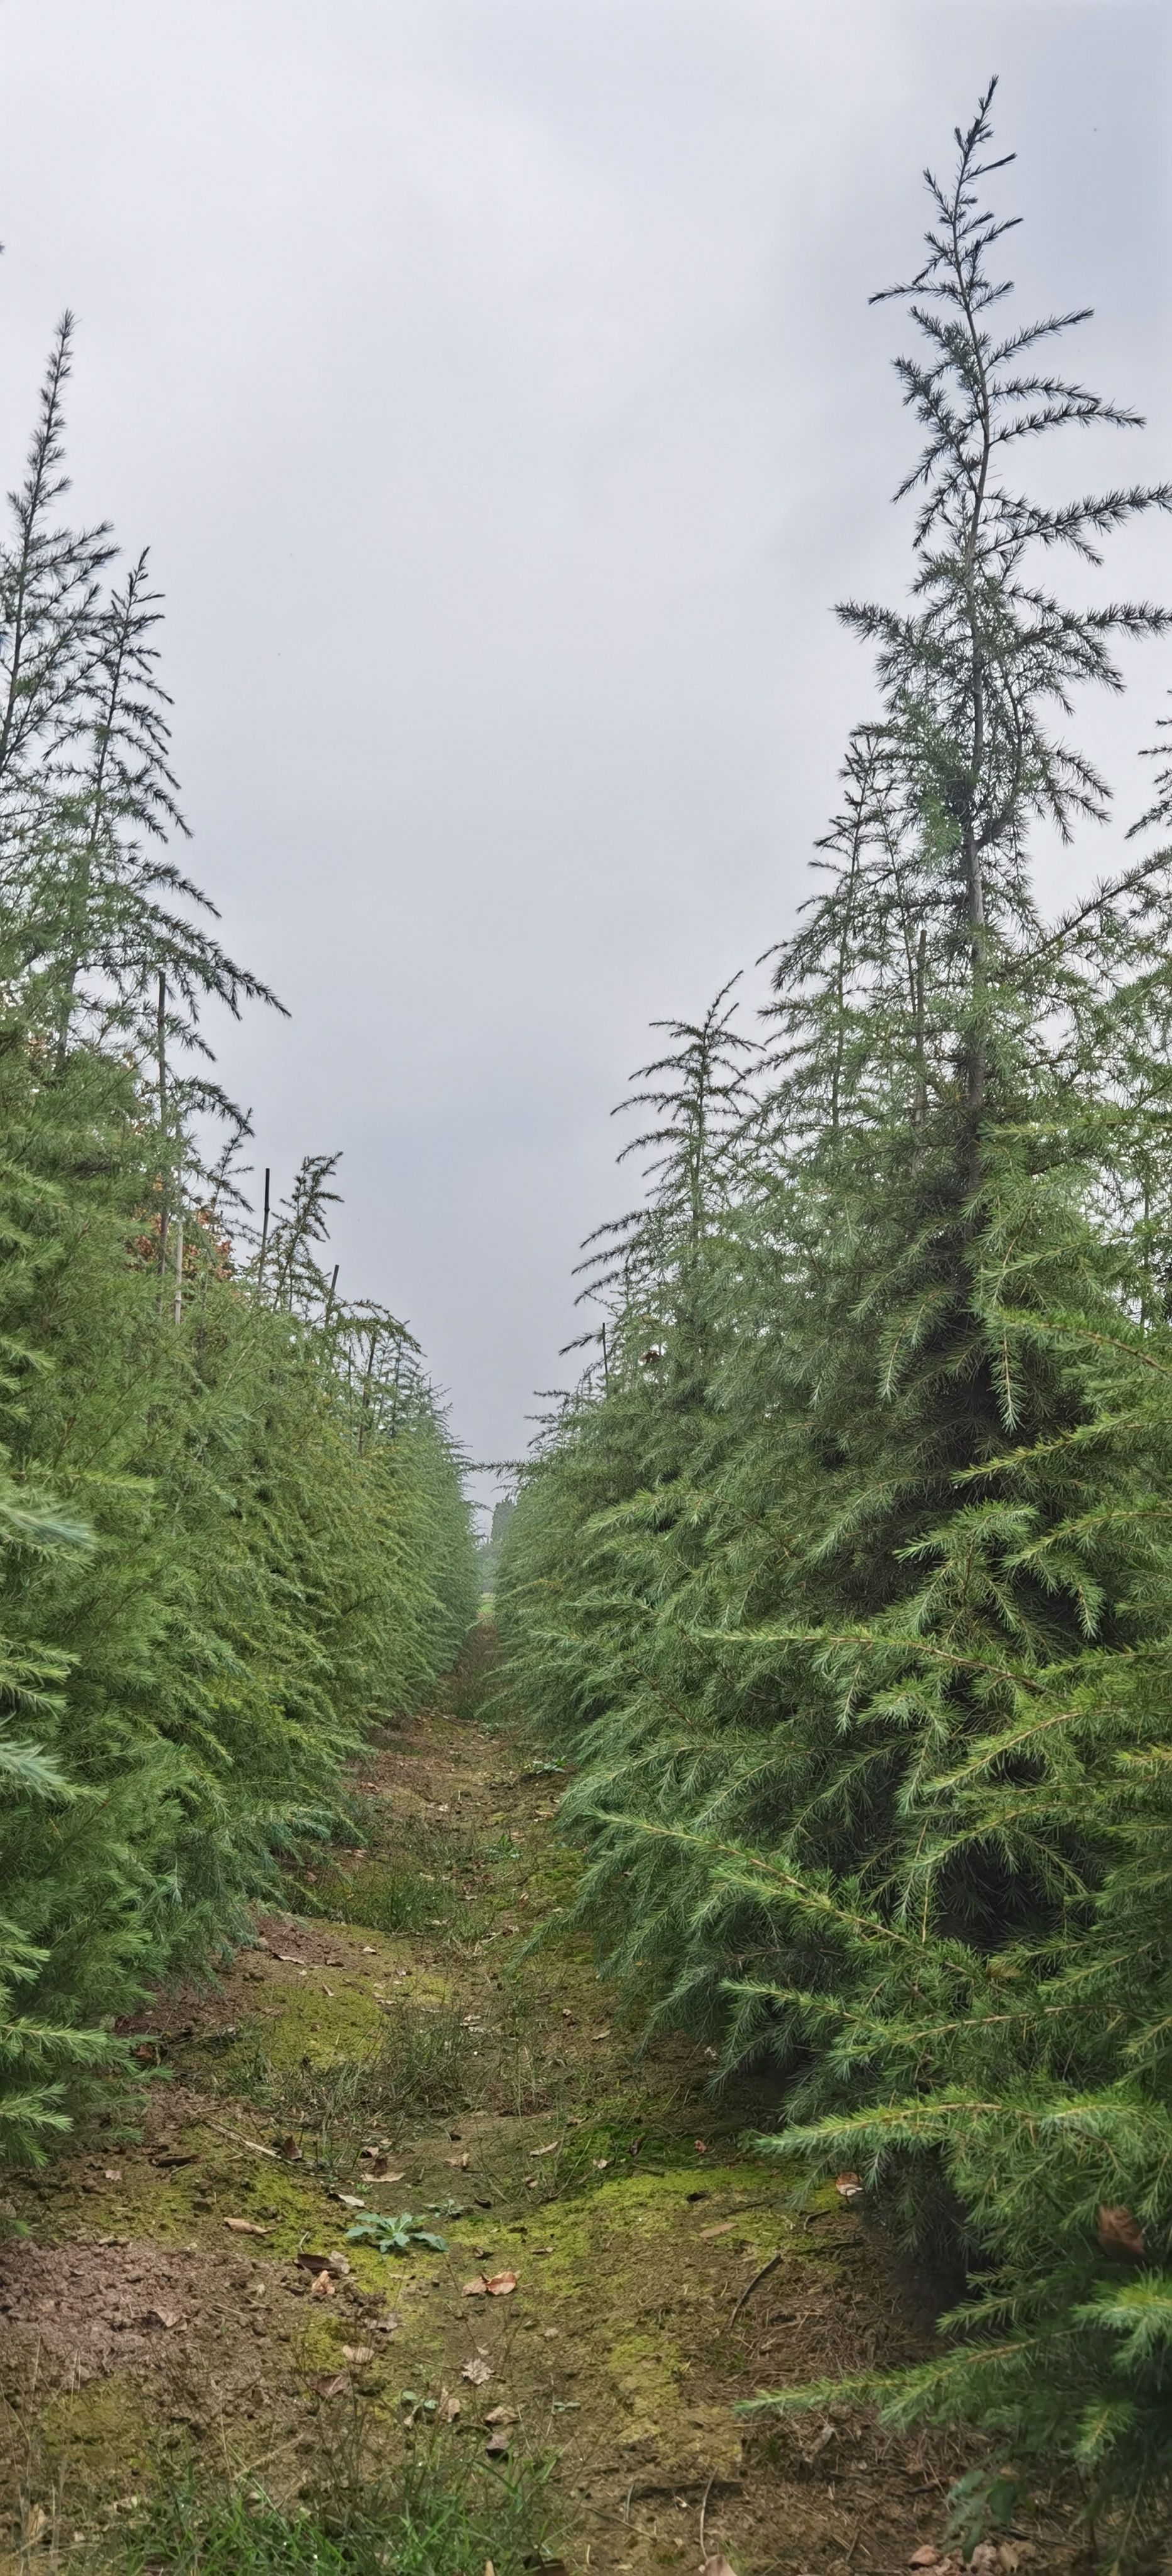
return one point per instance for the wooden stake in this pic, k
(264, 1234)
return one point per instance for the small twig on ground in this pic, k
(242, 2141)
(704, 2509)
(755, 2284)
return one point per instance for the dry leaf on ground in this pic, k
(245, 2227)
(161, 2317)
(448, 2408)
(502, 2415)
(336, 2386)
(475, 2289)
(477, 2371)
(717, 2566)
(358, 2353)
(1118, 2230)
(500, 2285)
(322, 2287)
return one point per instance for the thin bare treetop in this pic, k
(977, 669)
(926, 957)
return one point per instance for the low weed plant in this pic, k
(439, 2517)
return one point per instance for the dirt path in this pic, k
(194, 2290)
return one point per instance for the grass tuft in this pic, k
(417, 2065)
(440, 2515)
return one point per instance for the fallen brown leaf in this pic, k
(461, 2163)
(717, 2566)
(245, 2227)
(338, 2264)
(111, 2173)
(497, 2446)
(724, 2227)
(1119, 2231)
(386, 2325)
(322, 2287)
(358, 2353)
(501, 2285)
(502, 2415)
(926, 2556)
(36, 2523)
(475, 2289)
(335, 2387)
(448, 2408)
(162, 2317)
(477, 2371)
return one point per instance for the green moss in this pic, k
(613, 2225)
(646, 2371)
(99, 2441)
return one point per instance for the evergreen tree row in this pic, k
(844, 1579)
(232, 1532)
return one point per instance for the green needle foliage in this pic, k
(232, 1532)
(845, 1576)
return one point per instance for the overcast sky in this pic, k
(495, 384)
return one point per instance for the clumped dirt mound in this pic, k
(85, 2310)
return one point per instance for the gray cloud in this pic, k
(495, 382)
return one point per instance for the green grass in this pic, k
(419, 2065)
(441, 2516)
(416, 1877)
(386, 1896)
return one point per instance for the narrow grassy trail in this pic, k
(189, 2299)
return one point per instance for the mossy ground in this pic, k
(446, 2067)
